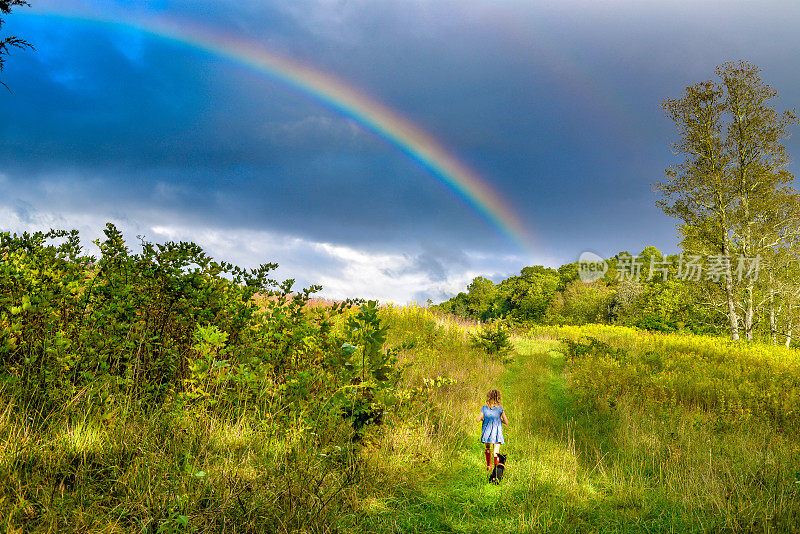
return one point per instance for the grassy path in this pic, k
(541, 464)
(558, 475)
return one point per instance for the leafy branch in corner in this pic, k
(12, 41)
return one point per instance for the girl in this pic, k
(493, 417)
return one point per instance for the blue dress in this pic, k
(492, 431)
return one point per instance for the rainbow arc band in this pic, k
(338, 96)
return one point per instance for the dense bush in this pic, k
(126, 376)
(124, 321)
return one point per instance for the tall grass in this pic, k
(598, 441)
(580, 458)
(711, 423)
(154, 392)
(173, 472)
(416, 452)
(219, 467)
(734, 383)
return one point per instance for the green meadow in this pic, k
(589, 451)
(590, 457)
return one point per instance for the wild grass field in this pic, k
(611, 429)
(633, 432)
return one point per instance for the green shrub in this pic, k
(201, 390)
(494, 338)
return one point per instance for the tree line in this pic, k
(737, 214)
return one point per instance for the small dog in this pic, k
(497, 472)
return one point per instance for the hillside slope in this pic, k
(585, 453)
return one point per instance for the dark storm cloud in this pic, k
(555, 104)
(234, 145)
(434, 260)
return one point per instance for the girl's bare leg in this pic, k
(496, 452)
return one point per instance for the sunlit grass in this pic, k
(82, 437)
(572, 466)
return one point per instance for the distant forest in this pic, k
(680, 292)
(649, 290)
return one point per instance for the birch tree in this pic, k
(766, 214)
(731, 192)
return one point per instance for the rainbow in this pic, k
(336, 95)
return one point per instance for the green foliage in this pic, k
(126, 321)
(581, 303)
(11, 41)
(157, 367)
(175, 524)
(731, 191)
(540, 295)
(579, 458)
(494, 338)
(370, 374)
(630, 432)
(209, 369)
(522, 298)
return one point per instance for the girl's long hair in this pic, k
(493, 398)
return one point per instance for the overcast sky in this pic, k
(555, 104)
